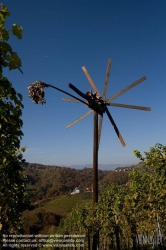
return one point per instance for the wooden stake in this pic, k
(95, 159)
(95, 173)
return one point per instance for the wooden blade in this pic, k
(78, 91)
(89, 99)
(80, 118)
(90, 81)
(129, 106)
(100, 128)
(115, 127)
(107, 77)
(127, 88)
(72, 100)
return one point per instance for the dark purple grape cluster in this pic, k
(36, 91)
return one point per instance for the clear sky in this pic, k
(59, 37)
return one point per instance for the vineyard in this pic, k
(131, 217)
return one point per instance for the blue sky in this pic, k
(59, 37)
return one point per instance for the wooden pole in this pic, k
(95, 172)
(95, 159)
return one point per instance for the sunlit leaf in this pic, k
(4, 34)
(2, 20)
(4, 160)
(4, 10)
(14, 61)
(17, 30)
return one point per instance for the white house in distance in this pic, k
(75, 191)
(89, 189)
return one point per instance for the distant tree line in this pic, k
(47, 182)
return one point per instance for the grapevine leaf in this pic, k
(17, 31)
(4, 10)
(5, 48)
(20, 96)
(14, 61)
(4, 34)
(2, 20)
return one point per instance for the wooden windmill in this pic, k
(98, 105)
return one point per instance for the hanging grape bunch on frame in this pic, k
(36, 92)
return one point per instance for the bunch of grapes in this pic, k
(36, 91)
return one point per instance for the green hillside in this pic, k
(48, 216)
(45, 183)
(64, 204)
(51, 187)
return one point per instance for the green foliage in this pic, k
(124, 212)
(17, 31)
(8, 58)
(65, 203)
(40, 221)
(13, 197)
(52, 213)
(119, 178)
(155, 182)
